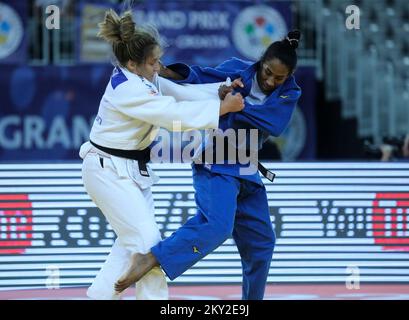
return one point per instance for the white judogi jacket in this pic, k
(133, 109)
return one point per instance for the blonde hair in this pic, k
(128, 41)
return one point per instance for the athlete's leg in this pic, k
(154, 285)
(216, 197)
(129, 210)
(114, 266)
(255, 239)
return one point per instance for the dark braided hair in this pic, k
(284, 50)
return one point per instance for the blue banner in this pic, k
(195, 32)
(207, 32)
(46, 113)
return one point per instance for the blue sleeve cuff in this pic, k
(188, 74)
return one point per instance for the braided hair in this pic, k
(284, 50)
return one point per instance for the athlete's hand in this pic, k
(237, 83)
(168, 73)
(232, 103)
(225, 89)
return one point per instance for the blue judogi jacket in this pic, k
(270, 118)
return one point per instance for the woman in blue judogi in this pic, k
(230, 202)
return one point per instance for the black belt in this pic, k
(263, 170)
(142, 156)
(266, 173)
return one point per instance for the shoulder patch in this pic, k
(117, 78)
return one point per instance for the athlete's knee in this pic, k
(221, 230)
(272, 238)
(270, 243)
(266, 247)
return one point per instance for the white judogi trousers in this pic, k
(125, 198)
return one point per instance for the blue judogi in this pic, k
(228, 202)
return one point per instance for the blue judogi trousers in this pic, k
(227, 205)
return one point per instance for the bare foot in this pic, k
(140, 265)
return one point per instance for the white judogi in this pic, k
(130, 113)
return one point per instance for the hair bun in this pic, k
(127, 26)
(293, 37)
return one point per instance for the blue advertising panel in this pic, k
(207, 32)
(195, 32)
(46, 112)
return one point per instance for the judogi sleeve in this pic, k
(165, 111)
(189, 92)
(197, 74)
(273, 116)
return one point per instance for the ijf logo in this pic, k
(11, 30)
(255, 28)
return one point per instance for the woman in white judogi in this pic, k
(136, 103)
